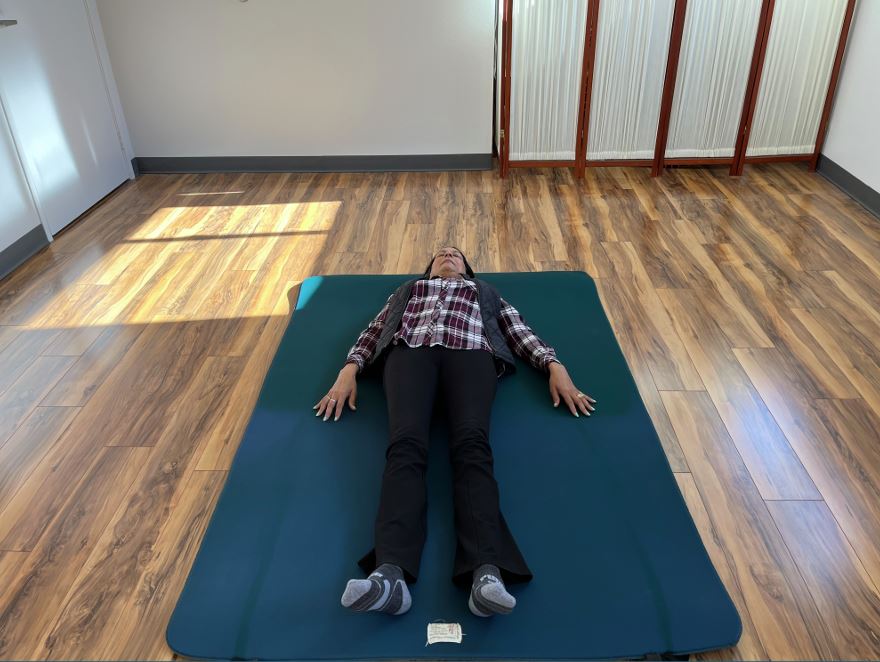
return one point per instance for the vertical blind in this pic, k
(713, 72)
(800, 54)
(632, 42)
(546, 57)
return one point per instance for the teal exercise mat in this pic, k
(620, 570)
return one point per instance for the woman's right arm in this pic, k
(365, 346)
(345, 387)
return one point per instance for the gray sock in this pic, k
(488, 594)
(385, 590)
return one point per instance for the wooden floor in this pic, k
(133, 348)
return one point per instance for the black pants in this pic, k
(467, 380)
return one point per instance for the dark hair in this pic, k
(467, 267)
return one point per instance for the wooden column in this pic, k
(669, 85)
(504, 142)
(832, 84)
(587, 66)
(752, 87)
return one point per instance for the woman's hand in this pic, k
(563, 389)
(344, 389)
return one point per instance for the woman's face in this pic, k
(448, 260)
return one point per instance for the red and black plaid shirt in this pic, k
(446, 312)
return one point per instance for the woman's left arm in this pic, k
(526, 344)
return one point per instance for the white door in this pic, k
(18, 215)
(58, 106)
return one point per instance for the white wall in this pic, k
(853, 140)
(303, 77)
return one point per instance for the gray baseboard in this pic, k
(849, 184)
(381, 163)
(14, 255)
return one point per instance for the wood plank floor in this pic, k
(133, 348)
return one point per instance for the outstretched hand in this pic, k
(343, 390)
(562, 389)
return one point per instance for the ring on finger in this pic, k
(332, 399)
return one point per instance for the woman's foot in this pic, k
(385, 591)
(488, 594)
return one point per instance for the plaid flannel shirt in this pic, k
(446, 312)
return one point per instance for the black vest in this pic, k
(490, 308)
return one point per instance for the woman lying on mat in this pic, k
(420, 333)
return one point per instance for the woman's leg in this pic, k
(410, 380)
(468, 380)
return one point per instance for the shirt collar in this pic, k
(464, 278)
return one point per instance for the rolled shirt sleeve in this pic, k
(365, 346)
(524, 342)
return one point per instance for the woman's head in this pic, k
(446, 261)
